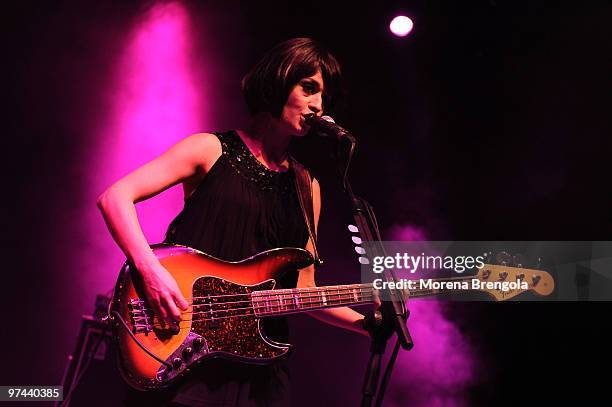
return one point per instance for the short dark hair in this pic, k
(267, 86)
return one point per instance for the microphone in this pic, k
(326, 126)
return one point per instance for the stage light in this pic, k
(401, 26)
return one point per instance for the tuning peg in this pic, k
(503, 258)
(353, 229)
(356, 240)
(359, 249)
(539, 264)
(518, 260)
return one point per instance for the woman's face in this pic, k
(306, 97)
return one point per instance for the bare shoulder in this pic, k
(203, 139)
(203, 148)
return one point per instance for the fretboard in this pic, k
(294, 300)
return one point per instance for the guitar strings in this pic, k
(247, 314)
(261, 295)
(309, 290)
(289, 291)
(270, 294)
(362, 298)
(273, 295)
(303, 299)
(253, 311)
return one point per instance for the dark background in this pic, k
(489, 122)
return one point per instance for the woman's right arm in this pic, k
(187, 161)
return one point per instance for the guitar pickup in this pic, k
(503, 275)
(536, 280)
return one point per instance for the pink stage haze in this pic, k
(155, 104)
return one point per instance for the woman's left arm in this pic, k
(343, 317)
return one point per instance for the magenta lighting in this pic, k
(401, 26)
(155, 102)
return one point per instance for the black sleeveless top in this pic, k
(241, 208)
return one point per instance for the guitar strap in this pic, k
(303, 187)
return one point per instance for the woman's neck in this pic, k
(267, 141)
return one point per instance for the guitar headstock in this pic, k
(494, 277)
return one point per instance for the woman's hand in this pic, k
(162, 293)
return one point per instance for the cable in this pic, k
(129, 331)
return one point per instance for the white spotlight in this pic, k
(401, 26)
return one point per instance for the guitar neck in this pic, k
(294, 300)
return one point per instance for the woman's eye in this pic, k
(308, 87)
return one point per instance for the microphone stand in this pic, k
(393, 313)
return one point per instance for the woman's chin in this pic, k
(300, 131)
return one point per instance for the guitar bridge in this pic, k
(141, 321)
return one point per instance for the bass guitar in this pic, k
(227, 301)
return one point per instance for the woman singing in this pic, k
(240, 199)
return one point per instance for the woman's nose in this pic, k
(315, 104)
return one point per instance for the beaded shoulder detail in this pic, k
(244, 163)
